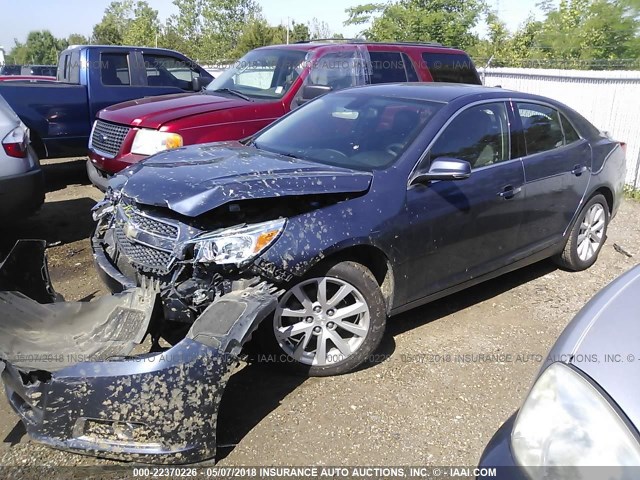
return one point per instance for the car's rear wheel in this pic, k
(330, 322)
(587, 236)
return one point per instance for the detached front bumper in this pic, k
(70, 374)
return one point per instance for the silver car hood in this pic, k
(603, 341)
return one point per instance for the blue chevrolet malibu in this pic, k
(362, 204)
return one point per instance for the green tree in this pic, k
(128, 22)
(77, 39)
(210, 30)
(107, 32)
(450, 22)
(257, 33)
(143, 27)
(299, 32)
(223, 22)
(585, 31)
(41, 47)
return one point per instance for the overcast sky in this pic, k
(63, 17)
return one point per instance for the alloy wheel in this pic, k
(591, 232)
(321, 321)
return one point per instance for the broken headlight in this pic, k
(237, 245)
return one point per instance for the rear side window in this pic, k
(387, 67)
(114, 69)
(168, 71)
(541, 126)
(479, 135)
(451, 68)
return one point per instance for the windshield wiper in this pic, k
(254, 144)
(232, 92)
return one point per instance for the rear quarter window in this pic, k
(451, 68)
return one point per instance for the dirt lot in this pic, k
(409, 408)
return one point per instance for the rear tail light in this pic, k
(624, 148)
(17, 142)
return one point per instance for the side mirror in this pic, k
(444, 168)
(198, 83)
(309, 92)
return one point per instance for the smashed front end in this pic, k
(80, 379)
(194, 261)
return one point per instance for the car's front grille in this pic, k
(107, 138)
(152, 225)
(148, 242)
(142, 255)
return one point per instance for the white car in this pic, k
(21, 178)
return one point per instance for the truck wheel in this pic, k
(587, 236)
(330, 322)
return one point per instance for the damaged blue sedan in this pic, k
(359, 205)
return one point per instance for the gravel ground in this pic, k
(409, 407)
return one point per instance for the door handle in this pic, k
(509, 192)
(578, 170)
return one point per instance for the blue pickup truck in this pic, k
(60, 114)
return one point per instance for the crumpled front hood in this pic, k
(604, 339)
(153, 112)
(194, 180)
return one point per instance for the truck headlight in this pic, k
(149, 142)
(237, 245)
(566, 421)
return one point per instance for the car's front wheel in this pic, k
(587, 236)
(331, 322)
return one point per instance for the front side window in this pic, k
(114, 69)
(352, 129)
(263, 73)
(479, 135)
(338, 70)
(168, 71)
(541, 126)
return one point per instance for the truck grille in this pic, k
(107, 138)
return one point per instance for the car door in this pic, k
(557, 173)
(458, 230)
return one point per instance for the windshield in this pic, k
(267, 73)
(350, 129)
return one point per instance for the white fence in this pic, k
(608, 99)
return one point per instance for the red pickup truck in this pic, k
(259, 88)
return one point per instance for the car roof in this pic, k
(443, 92)
(124, 48)
(308, 45)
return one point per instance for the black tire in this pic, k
(570, 259)
(359, 277)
